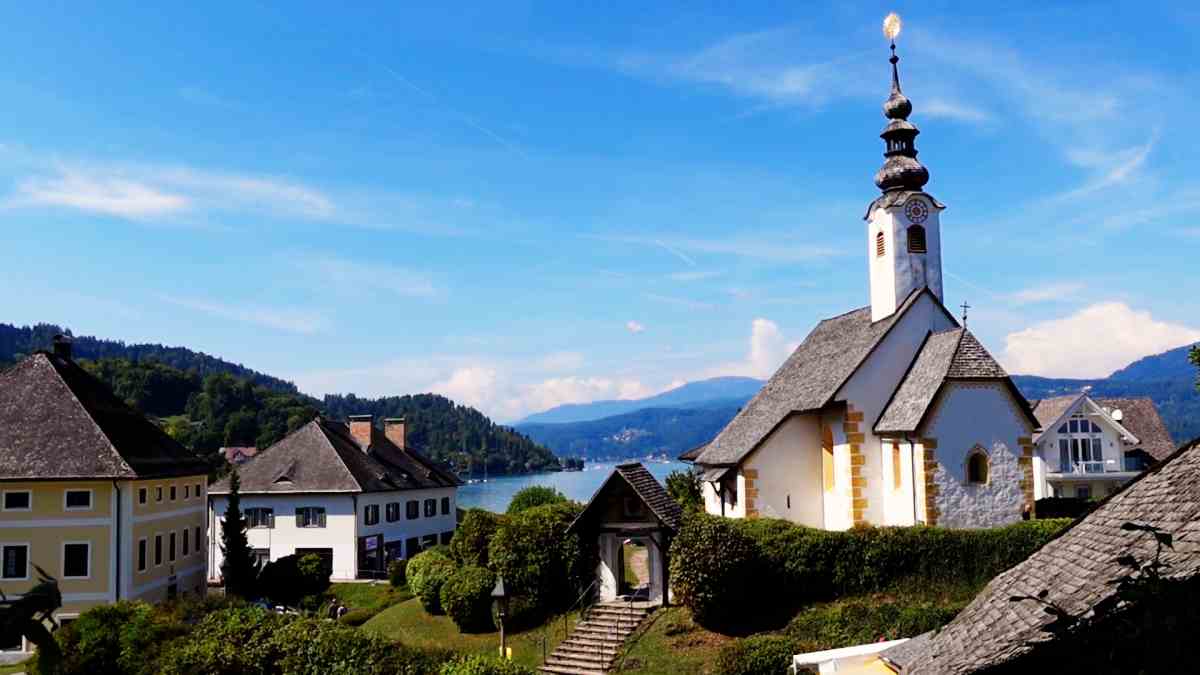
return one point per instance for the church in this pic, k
(889, 414)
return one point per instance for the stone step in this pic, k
(600, 660)
(594, 651)
(610, 625)
(603, 633)
(568, 670)
(623, 611)
(581, 664)
(592, 643)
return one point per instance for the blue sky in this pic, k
(521, 205)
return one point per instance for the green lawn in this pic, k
(369, 596)
(9, 670)
(671, 643)
(410, 624)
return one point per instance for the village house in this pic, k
(1090, 447)
(889, 414)
(353, 494)
(93, 493)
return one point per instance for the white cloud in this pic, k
(634, 327)
(1116, 168)
(684, 303)
(357, 276)
(288, 320)
(104, 195)
(694, 275)
(953, 110)
(1092, 342)
(767, 351)
(1051, 292)
(781, 247)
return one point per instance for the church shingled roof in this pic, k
(808, 380)
(1077, 570)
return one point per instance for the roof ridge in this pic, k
(325, 431)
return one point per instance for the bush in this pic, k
(121, 638)
(314, 647)
(472, 536)
(541, 564)
(467, 599)
(859, 621)
(397, 572)
(483, 665)
(684, 488)
(227, 642)
(757, 655)
(357, 617)
(427, 571)
(291, 579)
(791, 564)
(534, 495)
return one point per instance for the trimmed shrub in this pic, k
(357, 617)
(427, 571)
(397, 572)
(226, 642)
(858, 621)
(713, 567)
(291, 579)
(541, 564)
(121, 638)
(472, 536)
(534, 495)
(313, 647)
(765, 654)
(467, 599)
(483, 665)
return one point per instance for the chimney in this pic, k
(361, 429)
(394, 428)
(62, 346)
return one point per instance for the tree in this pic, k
(534, 495)
(239, 568)
(1194, 357)
(684, 487)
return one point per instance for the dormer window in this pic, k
(879, 247)
(916, 239)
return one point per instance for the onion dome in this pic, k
(900, 170)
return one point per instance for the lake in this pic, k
(496, 493)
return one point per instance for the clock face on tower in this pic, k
(916, 210)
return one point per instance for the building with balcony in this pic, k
(1090, 447)
(353, 494)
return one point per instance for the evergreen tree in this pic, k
(239, 568)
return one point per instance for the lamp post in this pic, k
(500, 596)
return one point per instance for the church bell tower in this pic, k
(904, 244)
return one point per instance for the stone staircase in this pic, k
(596, 642)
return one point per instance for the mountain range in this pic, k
(682, 418)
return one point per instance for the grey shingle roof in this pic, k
(58, 421)
(808, 380)
(953, 354)
(1077, 569)
(1139, 415)
(321, 456)
(651, 492)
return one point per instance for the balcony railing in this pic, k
(1080, 468)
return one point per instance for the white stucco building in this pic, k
(890, 414)
(351, 493)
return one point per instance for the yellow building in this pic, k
(93, 493)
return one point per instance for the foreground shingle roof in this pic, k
(1076, 569)
(1139, 415)
(808, 380)
(58, 421)
(322, 456)
(953, 354)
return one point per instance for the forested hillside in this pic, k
(212, 403)
(669, 431)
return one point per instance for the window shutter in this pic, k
(299, 517)
(322, 517)
(271, 518)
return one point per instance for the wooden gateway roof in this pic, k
(57, 421)
(647, 488)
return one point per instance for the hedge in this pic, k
(427, 571)
(467, 599)
(357, 617)
(542, 565)
(719, 565)
(469, 546)
(859, 621)
(757, 655)
(120, 638)
(398, 572)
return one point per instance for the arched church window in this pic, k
(977, 466)
(916, 239)
(879, 248)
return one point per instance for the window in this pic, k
(827, 458)
(977, 466)
(371, 514)
(141, 555)
(446, 537)
(18, 500)
(77, 560)
(445, 506)
(430, 508)
(172, 493)
(879, 248)
(187, 491)
(197, 539)
(260, 517)
(16, 561)
(1083, 492)
(310, 516)
(429, 541)
(916, 239)
(1080, 446)
(77, 500)
(896, 477)
(412, 509)
(393, 512)
(158, 494)
(184, 541)
(262, 556)
(141, 495)
(157, 550)
(413, 546)
(171, 547)
(197, 490)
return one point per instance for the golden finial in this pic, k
(891, 26)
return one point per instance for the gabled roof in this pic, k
(57, 421)
(1076, 569)
(647, 488)
(807, 381)
(1139, 417)
(949, 355)
(322, 456)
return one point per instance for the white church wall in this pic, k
(733, 507)
(786, 473)
(898, 272)
(967, 415)
(900, 503)
(838, 501)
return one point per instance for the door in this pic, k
(370, 557)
